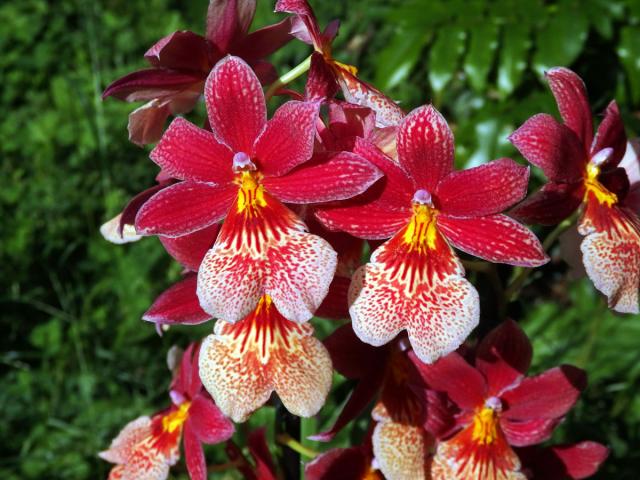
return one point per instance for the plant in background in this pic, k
(268, 219)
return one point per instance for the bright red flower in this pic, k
(415, 281)
(244, 170)
(147, 447)
(243, 363)
(500, 407)
(584, 170)
(180, 63)
(561, 462)
(327, 74)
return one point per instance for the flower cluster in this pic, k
(270, 219)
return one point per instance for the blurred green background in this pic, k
(77, 362)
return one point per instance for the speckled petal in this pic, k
(401, 451)
(132, 434)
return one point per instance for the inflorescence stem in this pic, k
(288, 77)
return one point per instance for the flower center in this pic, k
(242, 162)
(174, 420)
(421, 233)
(251, 193)
(593, 185)
(485, 422)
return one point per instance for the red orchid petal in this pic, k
(264, 41)
(131, 209)
(305, 27)
(208, 423)
(483, 190)
(548, 395)
(257, 442)
(441, 412)
(347, 120)
(228, 20)
(181, 381)
(495, 238)
(184, 208)
(146, 123)
(577, 461)
(193, 453)
(552, 146)
(321, 81)
(328, 178)
(551, 204)
(611, 134)
(151, 83)
(190, 249)
(521, 433)
(453, 375)
(287, 140)
(178, 304)
(571, 95)
(356, 91)
(339, 463)
(368, 221)
(183, 50)
(402, 451)
(187, 152)
(336, 305)
(425, 147)
(235, 104)
(503, 357)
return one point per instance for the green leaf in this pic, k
(561, 40)
(513, 57)
(479, 59)
(629, 54)
(396, 61)
(445, 53)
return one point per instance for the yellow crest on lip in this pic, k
(421, 233)
(251, 193)
(485, 426)
(592, 185)
(174, 420)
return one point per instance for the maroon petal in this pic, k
(305, 26)
(321, 81)
(551, 204)
(184, 208)
(351, 357)
(425, 147)
(454, 376)
(178, 305)
(135, 204)
(339, 463)
(573, 103)
(560, 462)
(235, 104)
(504, 356)
(150, 84)
(209, 424)
(228, 20)
(611, 134)
(259, 449)
(146, 123)
(193, 453)
(495, 238)
(548, 395)
(521, 433)
(287, 140)
(180, 51)
(336, 304)
(181, 382)
(190, 249)
(616, 181)
(441, 414)
(264, 41)
(483, 190)
(552, 146)
(332, 177)
(187, 152)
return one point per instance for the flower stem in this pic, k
(521, 274)
(293, 444)
(288, 77)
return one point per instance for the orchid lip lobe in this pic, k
(242, 161)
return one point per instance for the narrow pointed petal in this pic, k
(573, 103)
(112, 232)
(483, 190)
(321, 82)
(503, 357)
(528, 432)
(402, 451)
(345, 463)
(146, 123)
(184, 208)
(548, 395)
(611, 134)
(425, 147)
(263, 42)
(178, 304)
(421, 290)
(207, 421)
(190, 249)
(287, 140)
(187, 152)
(183, 50)
(552, 146)
(559, 462)
(368, 221)
(132, 208)
(150, 84)
(453, 375)
(259, 449)
(496, 238)
(242, 363)
(235, 104)
(193, 453)
(228, 20)
(337, 177)
(551, 204)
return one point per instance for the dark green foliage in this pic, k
(77, 361)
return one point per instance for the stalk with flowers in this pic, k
(344, 208)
